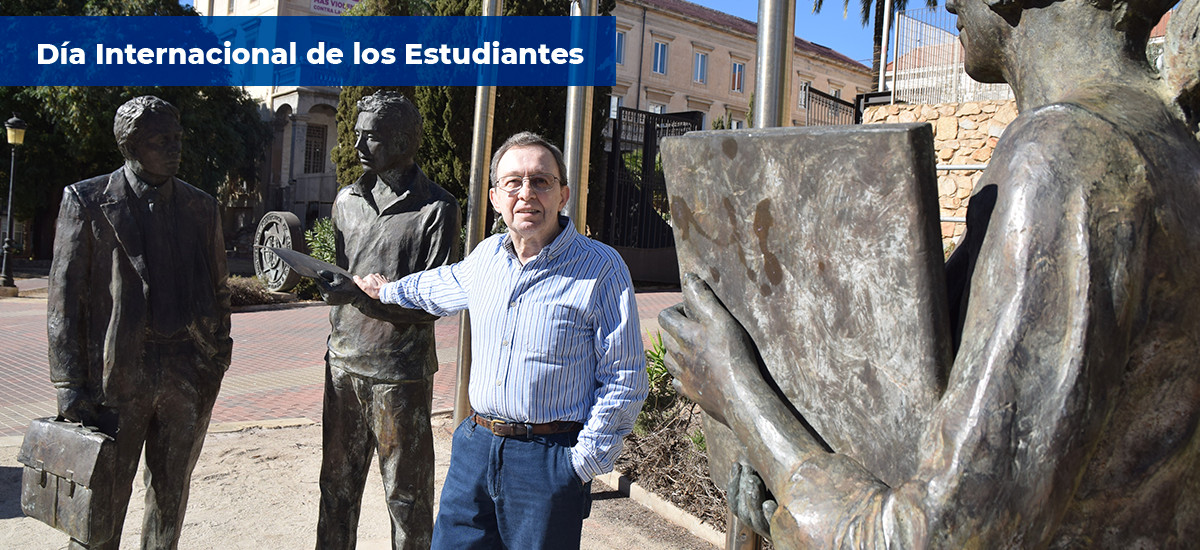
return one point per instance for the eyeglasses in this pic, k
(540, 183)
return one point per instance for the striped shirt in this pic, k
(554, 339)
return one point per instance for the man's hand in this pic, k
(371, 284)
(749, 498)
(77, 405)
(337, 290)
(707, 348)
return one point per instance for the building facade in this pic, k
(674, 56)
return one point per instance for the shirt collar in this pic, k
(560, 243)
(140, 187)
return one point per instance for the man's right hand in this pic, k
(77, 405)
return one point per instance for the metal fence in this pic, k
(928, 67)
(636, 197)
(822, 109)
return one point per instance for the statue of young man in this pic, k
(381, 360)
(1071, 415)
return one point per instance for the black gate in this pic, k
(636, 192)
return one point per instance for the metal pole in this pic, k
(477, 201)
(577, 142)
(776, 24)
(883, 52)
(9, 245)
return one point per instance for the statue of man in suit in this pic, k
(138, 314)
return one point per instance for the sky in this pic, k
(828, 28)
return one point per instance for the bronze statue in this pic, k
(381, 360)
(1069, 416)
(138, 314)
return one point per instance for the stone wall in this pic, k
(963, 133)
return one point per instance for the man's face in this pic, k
(378, 150)
(984, 35)
(158, 145)
(528, 212)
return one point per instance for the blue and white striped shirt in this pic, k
(554, 339)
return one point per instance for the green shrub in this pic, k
(662, 393)
(321, 246)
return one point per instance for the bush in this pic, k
(249, 291)
(320, 241)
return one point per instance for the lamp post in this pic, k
(16, 137)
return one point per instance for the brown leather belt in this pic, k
(513, 429)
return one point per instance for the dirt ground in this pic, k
(257, 488)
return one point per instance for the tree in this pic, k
(70, 133)
(868, 7)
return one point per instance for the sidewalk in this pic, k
(256, 483)
(277, 371)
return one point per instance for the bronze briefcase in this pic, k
(68, 478)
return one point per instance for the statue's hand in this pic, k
(77, 405)
(707, 348)
(749, 498)
(337, 290)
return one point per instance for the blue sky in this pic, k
(828, 28)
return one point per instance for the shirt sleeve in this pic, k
(621, 383)
(441, 291)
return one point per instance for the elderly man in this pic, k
(381, 359)
(558, 371)
(1070, 416)
(138, 314)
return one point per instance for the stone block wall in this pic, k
(963, 133)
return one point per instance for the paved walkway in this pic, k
(277, 371)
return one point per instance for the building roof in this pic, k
(713, 17)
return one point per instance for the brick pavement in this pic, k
(277, 370)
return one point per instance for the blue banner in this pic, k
(308, 51)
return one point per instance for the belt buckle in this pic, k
(503, 428)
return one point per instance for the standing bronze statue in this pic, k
(1070, 415)
(138, 314)
(381, 359)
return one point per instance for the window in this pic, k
(737, 124)
(615, 102)
(658, 108)
(660, 58)
(737, 77)
(805, 85)
(231, 6)
(837, 93)
(314, 150)
(620, 52)
(700, 67)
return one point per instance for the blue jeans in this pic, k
(509, 492)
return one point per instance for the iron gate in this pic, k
(636, 194)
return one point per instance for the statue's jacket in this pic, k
(97, 312)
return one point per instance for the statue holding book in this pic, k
(1052, 393)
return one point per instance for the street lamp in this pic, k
(16, 137)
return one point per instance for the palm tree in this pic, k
(876, 6)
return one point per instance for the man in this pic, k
(558, 371)
(381, 359)
(1070, 416)
(138, 314)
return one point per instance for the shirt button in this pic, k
(504, 343)
(512, 304)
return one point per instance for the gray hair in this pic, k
(126, 125)
(529, 139)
